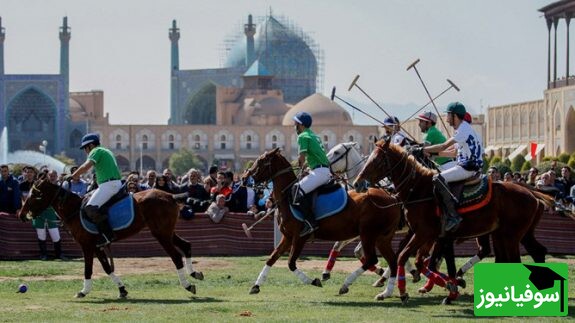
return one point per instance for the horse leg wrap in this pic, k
(116, 280)
(189, 266)
(387, 273)
(333, 254)
(182, 277)
(353, 276)
(475, 259)
(435, 278)
(263, 275)
(302, 276)
(401, 279)
(389, 288)
(87, 287)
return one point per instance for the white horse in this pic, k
(345, 160)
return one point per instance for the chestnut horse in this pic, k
(152, 208)
(510, 216)
(373, 216)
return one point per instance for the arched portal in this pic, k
(569, 129)
(31, 119)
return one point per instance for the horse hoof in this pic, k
(423, 290)
(461, 282)
(255, 289)
(123, 293)
(80, 295)
(379, 283)
(416, 277)
(404, 298)
(197, 275)
(379, 297)
(191, 289)
(343, 290)
(325, 276)
(446, 301)
(316, 282)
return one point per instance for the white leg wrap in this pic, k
(300, 274)
(87, 287)
(389, 288)
(475, 259)
(387, 272)
(353, 276)
(189, 266)
(182, 277)
(408, 266)
(116, 280)
(263, 275)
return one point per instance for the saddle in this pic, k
(472, 193)
(328, 200)
(120, 210)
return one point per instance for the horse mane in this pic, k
(419, 168)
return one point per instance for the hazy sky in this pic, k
(494, 50)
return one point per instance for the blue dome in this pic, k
(285, 51)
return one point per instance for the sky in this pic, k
(495, 51)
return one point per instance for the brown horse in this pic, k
(510, 217)
(373, 216)
(153, 208)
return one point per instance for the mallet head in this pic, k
(413, 64)
(333, 93)
(453, 84)
(353, 82)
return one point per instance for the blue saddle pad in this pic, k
(325, 204)
(120, 216)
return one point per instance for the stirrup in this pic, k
(308, 229)
(103, 241)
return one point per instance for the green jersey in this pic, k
(433, 137)
(105, 165)
(311, 145)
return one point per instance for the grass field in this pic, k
(155, 294)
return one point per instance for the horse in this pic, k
(346, 161)
(510, 216)
(374, 216)
(153, 208)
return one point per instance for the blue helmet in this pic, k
(90, 138)
(391, 121)
(303, 118)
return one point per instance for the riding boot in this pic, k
(58, 251)
(43, 249)
(442, 193)
(306, 206)
(101, 221)
(106, 234)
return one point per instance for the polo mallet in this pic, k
(451, 85)
(354, 83)
(247, 229)
(413, 65)
(352, 106)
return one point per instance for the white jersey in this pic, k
(469, 147)
(398, 138)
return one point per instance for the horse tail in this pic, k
(547, 201)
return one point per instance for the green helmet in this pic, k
(456, 108)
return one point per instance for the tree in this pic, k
(564, 158)
(65, 159)
(517, 163)
(495, 160)
(526, 166)
(183, 160)
(571, 162)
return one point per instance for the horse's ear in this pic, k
(275, 151)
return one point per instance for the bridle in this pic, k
(346, 155)
(389, 169)
(61, 194)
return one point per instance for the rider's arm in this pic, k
(439, 147)
(82, 169)
(449, 152)
(301, 159)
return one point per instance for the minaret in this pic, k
(2, 37)
(250, 31)
(65, 91)
(175, 117)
